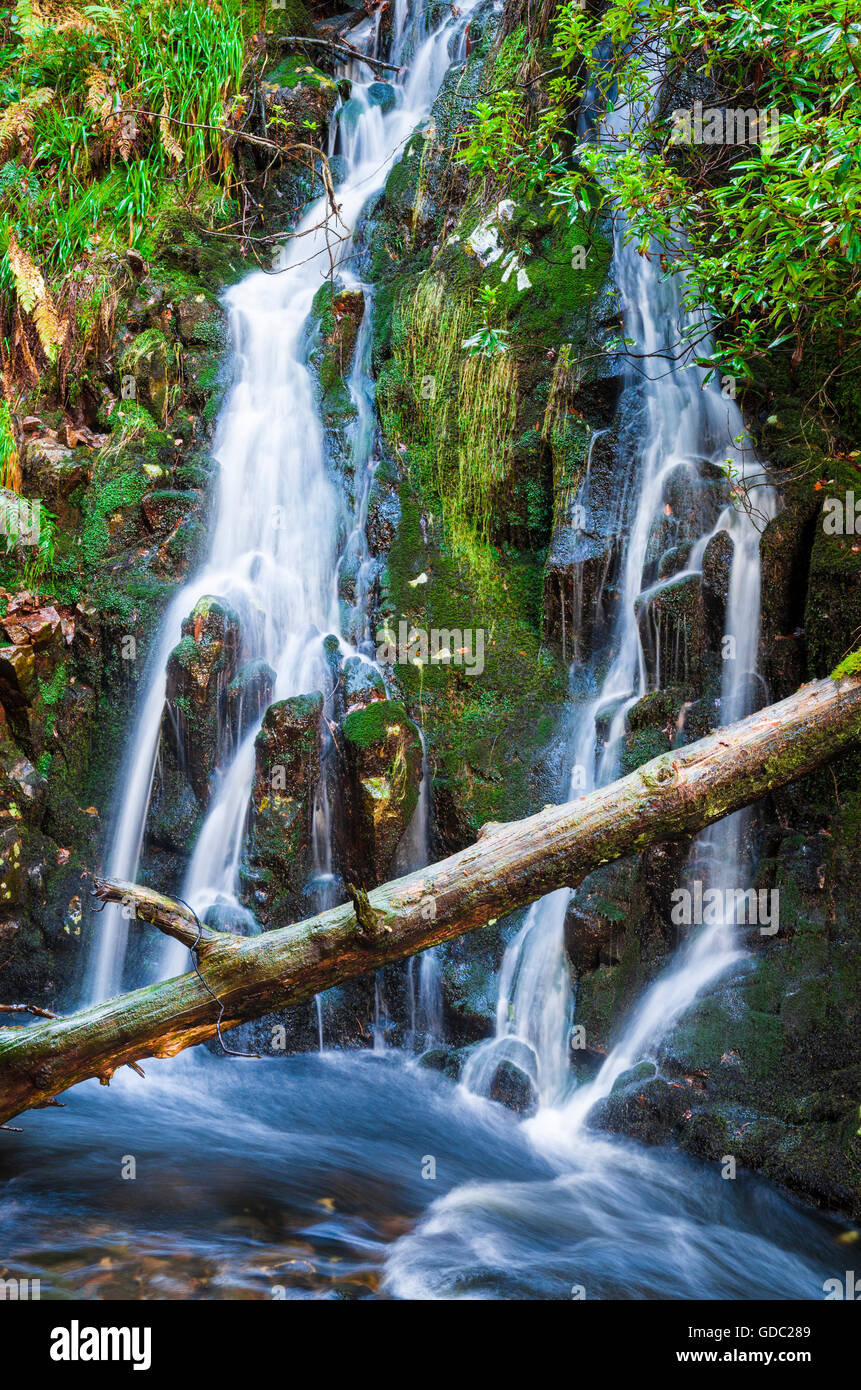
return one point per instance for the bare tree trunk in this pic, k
(510, 865)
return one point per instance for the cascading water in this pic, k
(274, 553)
(423, 973)
(312, 1167)
(682, 423)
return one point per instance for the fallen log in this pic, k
(240, 978)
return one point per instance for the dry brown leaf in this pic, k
(16, 123)
(35, 299)
(168, 139)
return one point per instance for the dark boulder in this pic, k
(277, 860)
(512, 1087)
(361, 684)
(717, 569)
(199, 671)
(643, 1106)
(384, 756)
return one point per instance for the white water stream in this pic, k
(315, 1156)
(274, 558)
(683, 422)
(274, 552)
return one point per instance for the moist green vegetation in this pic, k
(105, 102)
(115, 127)
(468, 347)
(295, 71)
(771, 236)
(368, 727)
(488, 729)
(495, 331)
(848, 667)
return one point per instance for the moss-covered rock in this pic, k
(277, 860)
(384, 755)
(643, 1106)
(195, 727)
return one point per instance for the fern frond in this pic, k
(16, 123)
(50, 327)
(99, 98)
(168, 139)
(35, 299)
(29, 284)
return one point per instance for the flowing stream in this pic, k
(686, 427)
(358, 1175)
(274, 555)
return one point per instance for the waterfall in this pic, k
(274, 550)
(682, 420)
(425, 995)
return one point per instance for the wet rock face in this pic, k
(295, 93)
(579, 599)
(580, 575)
(717, 569)
(276, 862)
(248, 694)
(785, 551)
(196, 724)
(590, 941)
(32, 671)
(18, 686)
(694, 495)
(199, 671)
(52, 472)
(336, 318)
(673, 631)
(384, 515)
(360, 684)
(469, 976)
(339, 312)
(384, 757)
(511, 1087)
(643, 1106)
(200, 322)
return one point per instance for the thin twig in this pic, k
(27, 1009)
(344, 48)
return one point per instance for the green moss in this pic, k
(559, 295)
(185, 653)
(641, 747)
(296, 71)
(53, 690)
(370, 726)
(850, 666)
